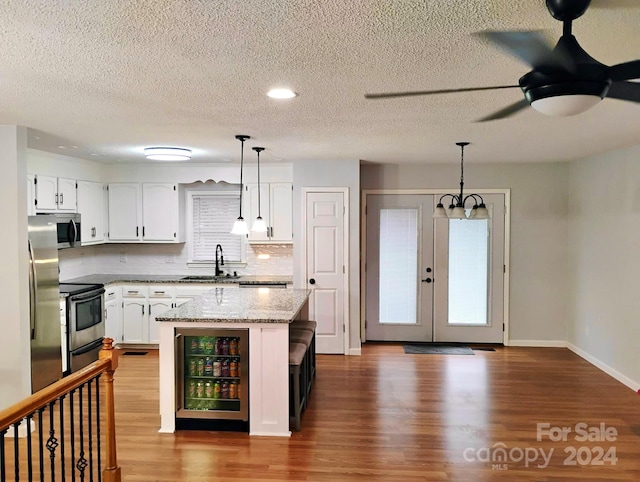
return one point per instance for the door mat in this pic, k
(135, 352)
(434, 349)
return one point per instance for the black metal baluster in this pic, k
(52, 441)
(3, 469)
(90, 431)
(16, 451)
(98, 426)
(40, 443)
(82, 462)
(29, 449)
(62, 457)
(72, 435)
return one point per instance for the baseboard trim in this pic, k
(633, 385)
(539, 343)
(355, 352)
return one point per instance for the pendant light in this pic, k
(457, 210)
(259, 226)
(240, 226)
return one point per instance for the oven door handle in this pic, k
(87, 348)
(86, 296)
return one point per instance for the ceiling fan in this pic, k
(565, 80)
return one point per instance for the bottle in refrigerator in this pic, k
(208, 367)
(202, 340)
(193, 367)
(200, 370)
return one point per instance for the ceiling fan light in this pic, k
(565, 105)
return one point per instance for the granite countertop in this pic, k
(175, 279)
(231, 305)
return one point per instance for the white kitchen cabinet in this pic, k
(92, 207)
(276, 208)
(159, 212)
(55, 194)
(113, 314)
(125, 211)
(144, 212)
(135, 314)
(160, 300)
(31, 195)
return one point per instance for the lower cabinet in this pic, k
(131, 310)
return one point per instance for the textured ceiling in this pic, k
(105, 78)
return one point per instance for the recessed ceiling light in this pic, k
(167, 153)
(281, 94)
(61, 147)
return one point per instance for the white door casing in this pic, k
(500, 260)
(325, 231)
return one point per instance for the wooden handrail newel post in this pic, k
(111, 472)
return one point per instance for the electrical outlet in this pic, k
(123, 257)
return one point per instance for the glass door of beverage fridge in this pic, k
(212, 373)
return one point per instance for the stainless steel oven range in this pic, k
(85, 323)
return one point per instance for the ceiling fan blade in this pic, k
(507, 111)
(430, 92)
(625, 71)
(625, 91)
(532, 48)
(614, 4)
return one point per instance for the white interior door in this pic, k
(469, 266)
(325, 267)
(399, 267)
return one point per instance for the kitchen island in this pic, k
(266, 314)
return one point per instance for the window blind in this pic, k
(212, 220)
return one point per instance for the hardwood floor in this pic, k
(388, 416)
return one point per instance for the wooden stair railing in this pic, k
(46, 399)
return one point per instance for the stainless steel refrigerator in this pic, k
(44, 300)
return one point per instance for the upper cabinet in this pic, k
(55, 194)
(31, 195)
(93, 208)
(276, 208)
(144, 212)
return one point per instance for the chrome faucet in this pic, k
(219, 262)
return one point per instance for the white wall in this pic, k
(604, 262)
(539, 204)
(15, 364)
(331, 174)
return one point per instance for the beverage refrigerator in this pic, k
(212, 374)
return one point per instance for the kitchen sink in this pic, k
(208, 278)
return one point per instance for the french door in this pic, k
(429, 281)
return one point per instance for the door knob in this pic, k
(428, 280)
(312, 281)
(428, 270)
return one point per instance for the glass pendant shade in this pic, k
(439, 212)
(259, 226)
(240, 227)
(565, 105)
(458, 213)
(482, 212)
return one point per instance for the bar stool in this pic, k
(306, 338)
(297, 373)
(311, 326)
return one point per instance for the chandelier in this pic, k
(457, 209)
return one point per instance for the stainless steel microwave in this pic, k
(68, 227)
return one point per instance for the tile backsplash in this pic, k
(267, 259)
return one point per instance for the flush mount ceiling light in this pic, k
(281, 94)
(457, 210)
(167, 154)
(240, 226)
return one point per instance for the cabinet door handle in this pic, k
(143, 231)
(137, 231)
(61, 199)
(143, 309)
(132, 292)
(56, 199)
